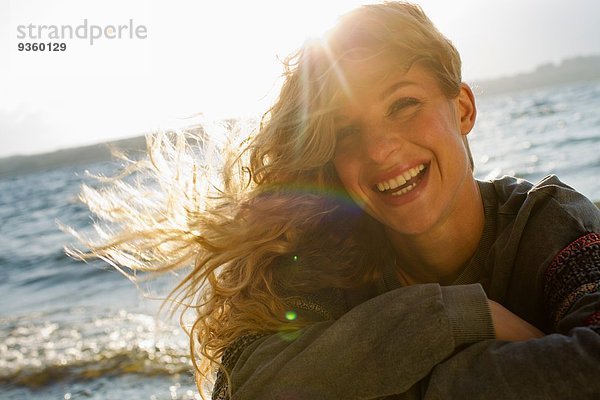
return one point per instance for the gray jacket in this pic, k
(539, 256)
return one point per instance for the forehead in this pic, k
(377, 77)
(365, 72)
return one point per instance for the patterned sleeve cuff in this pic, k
(574, 273)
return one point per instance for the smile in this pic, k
(403, 183)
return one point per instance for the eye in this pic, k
(401, 104)
(346, 132)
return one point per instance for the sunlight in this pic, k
(218, 59)
(223, 59)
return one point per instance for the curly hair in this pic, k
(233, 212)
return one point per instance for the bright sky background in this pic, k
(220, 58)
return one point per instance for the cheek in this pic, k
(347, 171)
(341, 168)
(434, 130)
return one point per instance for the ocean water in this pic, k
(71, 330)
(534, 133)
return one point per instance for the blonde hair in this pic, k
(234, 217)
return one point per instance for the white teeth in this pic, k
(400, 180)
(405, 190)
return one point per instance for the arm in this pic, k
(561, 365)
(509, 327)
(381, 347)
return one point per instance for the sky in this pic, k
(180, 58)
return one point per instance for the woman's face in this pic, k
(400, 151)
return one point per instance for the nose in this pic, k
(379, 143)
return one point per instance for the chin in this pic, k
(412, 228)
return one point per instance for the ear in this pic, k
(466, 109)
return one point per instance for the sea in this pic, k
(75, 330)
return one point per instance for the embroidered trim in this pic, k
(593, 319)
(574, 272)
(220, 392)
(573, 248)
(305, 303)
(568, 301)
(229, 359)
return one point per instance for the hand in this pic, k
(508, 326)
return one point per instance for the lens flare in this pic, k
(291, 315)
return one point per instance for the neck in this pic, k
(441, 253)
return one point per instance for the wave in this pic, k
(38, 349)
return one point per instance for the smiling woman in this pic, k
(415, 128)
(348, 251)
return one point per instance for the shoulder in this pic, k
(546, 245)
(550, 198)
(564, 196)
(512, 191)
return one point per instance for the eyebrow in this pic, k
(395, 87)
(387, 92)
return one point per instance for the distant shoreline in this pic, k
(24, 164)
(571, 70)
(578, 69)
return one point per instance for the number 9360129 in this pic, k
(50, 46)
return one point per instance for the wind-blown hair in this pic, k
(233, 213)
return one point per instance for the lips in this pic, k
(402, 183)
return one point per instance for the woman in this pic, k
(301, 294)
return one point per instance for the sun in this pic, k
(313, 19)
